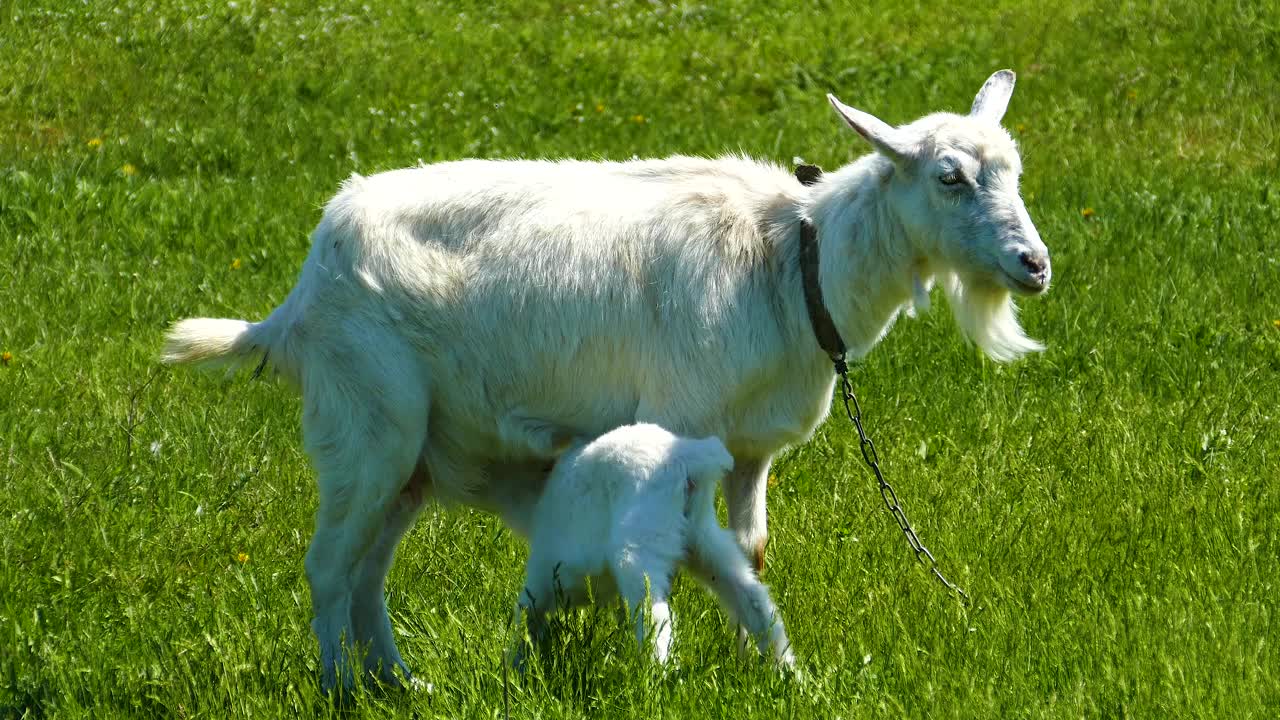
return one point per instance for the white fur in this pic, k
(623, 512)
(205, 340)
(456, 325)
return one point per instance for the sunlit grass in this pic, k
(1110, 504)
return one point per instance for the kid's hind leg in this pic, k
(646, 576)
(718, 562)
(364, 438)
(369, 620)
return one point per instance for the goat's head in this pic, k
(954, 190)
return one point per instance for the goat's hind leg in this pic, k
(369, 619)
(364, 434)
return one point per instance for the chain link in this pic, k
(854, 412)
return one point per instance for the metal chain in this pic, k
(886, 490)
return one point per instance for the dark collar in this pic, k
(823, 328)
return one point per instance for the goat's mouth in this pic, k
(1024, 284)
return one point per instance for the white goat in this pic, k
(624, 511)
(456, 325)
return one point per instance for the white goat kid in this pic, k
(457, 325)
(624, 511)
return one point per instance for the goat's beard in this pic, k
(988, 317)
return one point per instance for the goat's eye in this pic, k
(951, 178)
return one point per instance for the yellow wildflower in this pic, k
(235, 264)
(1087, 213)
(242, 557)
(95, 143)
(1021, 128)
(637, 119)
(599, 107)
(773, 480)
(6, 357)
(1273, 322)
(129, 170)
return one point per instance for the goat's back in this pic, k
(532, 286)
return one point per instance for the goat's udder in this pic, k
(416, 489)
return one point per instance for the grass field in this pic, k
(1111, 504)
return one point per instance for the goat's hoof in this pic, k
(745, 645)
(787, 666)
(336, 684)
(518, 659)
(387, 674)
(397, 681)
(342, 695)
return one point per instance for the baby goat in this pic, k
(625, 510)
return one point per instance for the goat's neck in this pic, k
(866, 261)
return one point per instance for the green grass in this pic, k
(1110, 504)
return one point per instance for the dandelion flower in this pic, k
(637, 119)
(1275, 322)
(6, 357)
(235, 264)
(95, 143)
(1087, 213)
(129, 170)
(599, 107)
(1020, 127)
(242, 557)
(773, 480)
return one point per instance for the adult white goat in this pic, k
(625, 510)
(455, 325)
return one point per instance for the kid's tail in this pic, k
(707, 458)
(707, 461)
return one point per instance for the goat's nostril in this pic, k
(1034, 262)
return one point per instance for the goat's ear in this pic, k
(886, 139)
(993, 98)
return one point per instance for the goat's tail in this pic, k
(207, 341)
(216, 342)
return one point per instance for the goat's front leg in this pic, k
(744, 493)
